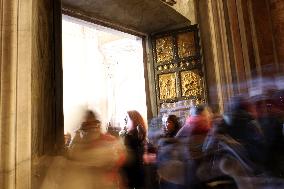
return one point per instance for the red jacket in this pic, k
(199, 124)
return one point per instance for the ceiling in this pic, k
(144, 16)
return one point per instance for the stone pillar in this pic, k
(15, 93)
(46, 77)
(214, 38)
(30, 98)
(47, 86)
(237, 42)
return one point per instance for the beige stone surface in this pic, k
(23, 41)
(15, 94)
(187, 9)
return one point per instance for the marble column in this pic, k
(30, 67)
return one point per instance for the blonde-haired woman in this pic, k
(134, 141)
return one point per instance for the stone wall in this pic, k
(47, 92)
(241, 40)
(30, 88)
(46, 77)
(15, 92)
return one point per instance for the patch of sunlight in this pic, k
(103, 71)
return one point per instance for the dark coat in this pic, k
(132, 169)
(193, 133)
(242, 127)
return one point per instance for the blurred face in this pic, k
(128, 123)
(170, 125)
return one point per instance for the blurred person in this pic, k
(172, 126)
(93, 160)
(199, 122)
(278, 102)
(67, 139)
(192, 135)
(268, 111)
(167, 132)
(170, 156)
(232, 154)
(239, 122)
(231, 165)
(134, 136)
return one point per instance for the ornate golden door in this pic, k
(178, 66)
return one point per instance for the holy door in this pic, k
(178, 68)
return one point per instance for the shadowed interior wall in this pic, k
(47, 81)
(46, 76)
(247, 35)
(277, 17)
(264, 37)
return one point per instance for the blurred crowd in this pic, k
(239, 149)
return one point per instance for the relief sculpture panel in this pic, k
(167, 86)
(178, 66)
(191, 84)
(164, 49)
(186, 44)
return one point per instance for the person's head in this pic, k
(90, 121)
(201, 110)
(90, 116)
(197, 110)
(172, 124)
(134, 121)
(240, 103)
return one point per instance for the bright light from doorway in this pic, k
(102, 71)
